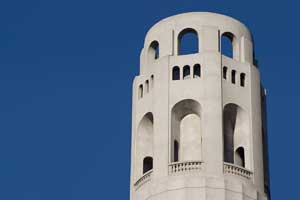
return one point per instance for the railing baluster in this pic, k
(145, 178)
(186, 166)
(237, 170)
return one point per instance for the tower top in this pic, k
(209, 28)
(191, 19)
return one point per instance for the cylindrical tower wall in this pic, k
(197, 116)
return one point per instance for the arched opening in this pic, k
(176, 151)
(152, 81)
(147, 164)
(225, 72)
(140, 93)
(188, 42)
(242, 79)
(144, 144)
(186, 134)
(197, 71)
(235, 134)
(176, 73)
(227, 44)
(186, 72)
(147, 85)
(233, 74)
(153, 52)
(239, 157)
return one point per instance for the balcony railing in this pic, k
(145, 178)
(237, 170)
(186, 166)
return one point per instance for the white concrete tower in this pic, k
(198, 120)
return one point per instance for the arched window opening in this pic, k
(239, 158)
(152, 81)
(153, 52)
(225, 72)
(197, 71)
(229, 119)
(147, 164)
(227, 41)
(144, 144)
(176, 73)
(186, 72)
(235, 131)
(188, 42)
(140, 91)
(147, 85)
(233, 73)
(186, 131)
(176, 151)
(243, 79)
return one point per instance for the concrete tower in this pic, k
(198, 119)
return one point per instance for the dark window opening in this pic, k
(141, 91)
(233, 72)
(240, 157)
(186, 72)
(154, 50)
(147, 86)
(176, 151)
(225, 72)
(176, 73)
(147, 164)
(197, 71)
(152, 81)
(243, 78)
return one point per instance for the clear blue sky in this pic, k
(66, 71)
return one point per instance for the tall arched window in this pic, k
(197, 71)
(242, 79)
(224, 72)
(144, 145)
(153, 52)
(186, 72)
(186, 131)
(176, 73)
(235, 132)
(227, 44)
(188, 42)
(147, 164)
(233, 73)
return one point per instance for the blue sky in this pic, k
(66, 71)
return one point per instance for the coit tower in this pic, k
(198, 113)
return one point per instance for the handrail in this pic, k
(145, 178)
(230, 168)
(185, 166)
